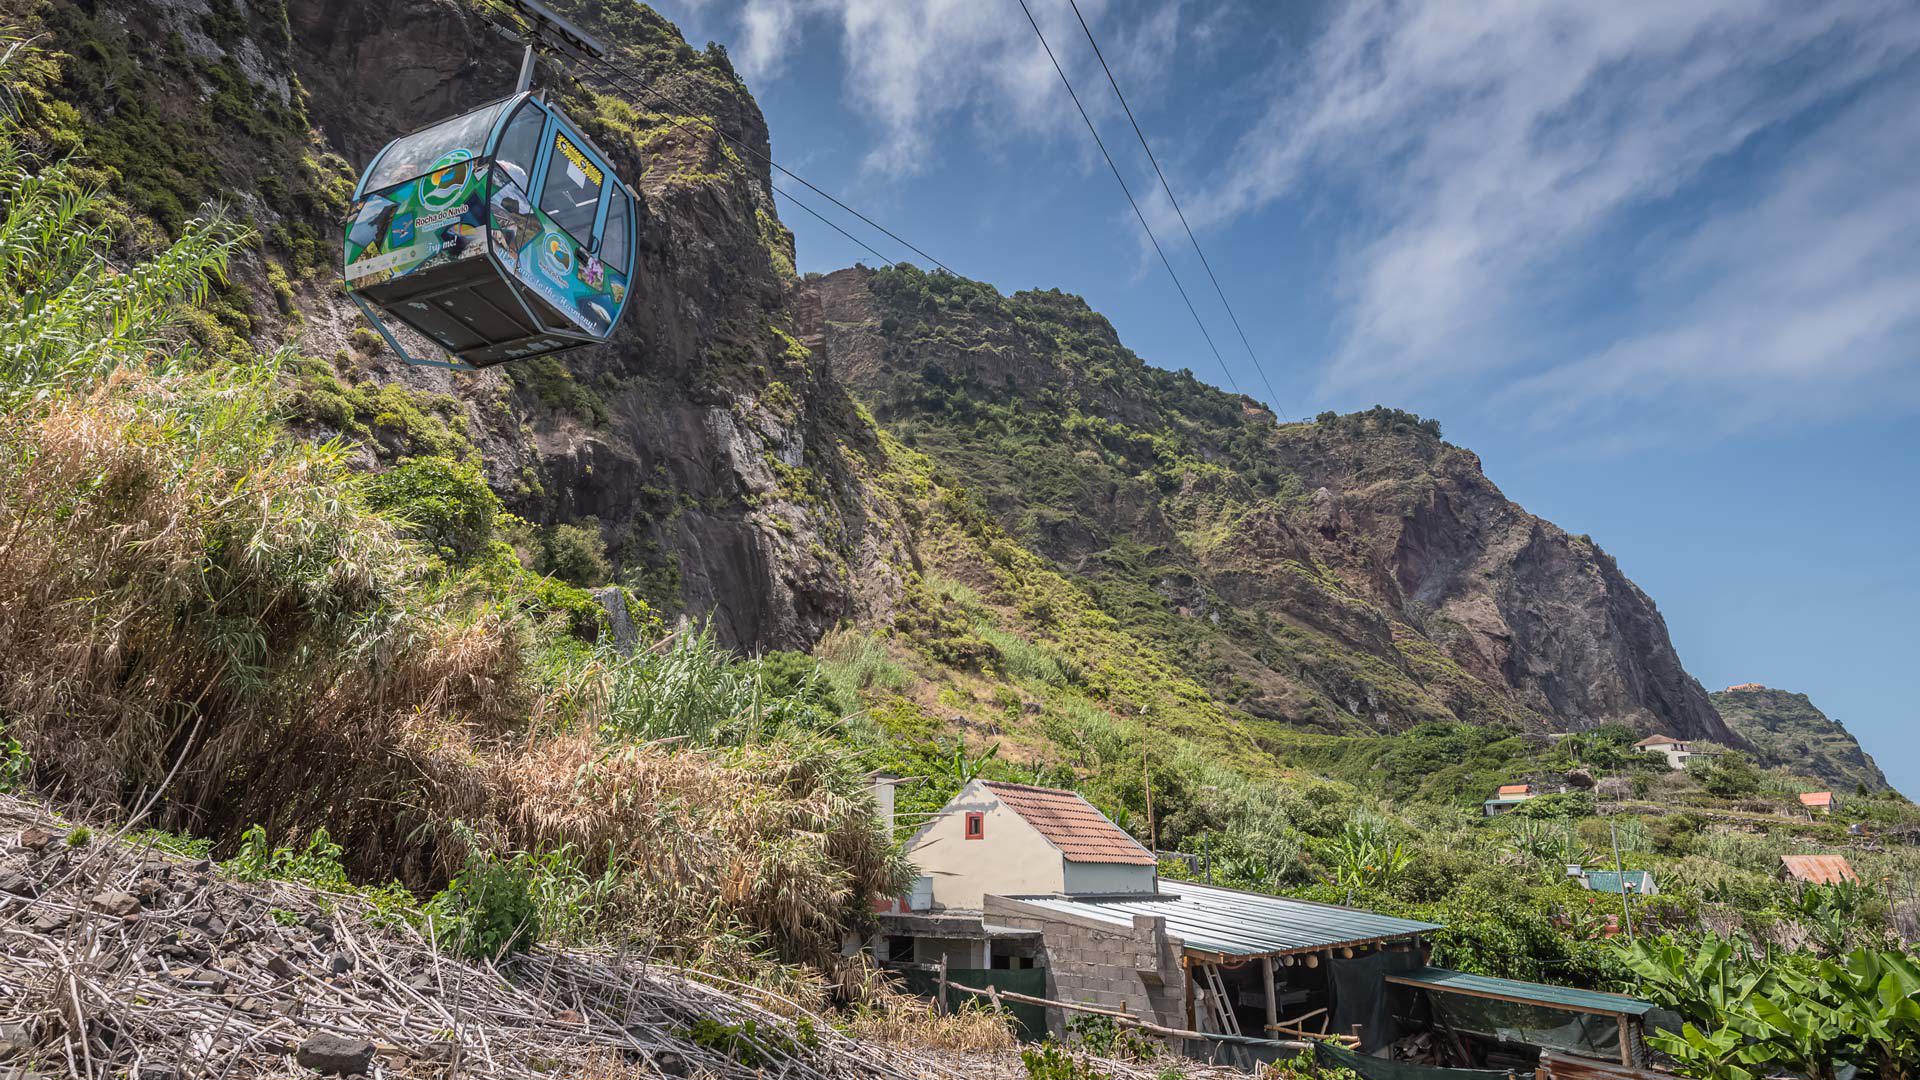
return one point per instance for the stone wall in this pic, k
(1090, 962)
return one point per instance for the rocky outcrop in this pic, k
(1353, 572)
(1786, 730)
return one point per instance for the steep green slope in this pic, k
(1357, 573)
(1789, 732)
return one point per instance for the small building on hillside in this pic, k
(1677, 751)
(1818, 802)
(1012, 838)
(1508, 797)
(1817, 869)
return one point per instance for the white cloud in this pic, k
(912, 67)
(1803, 302)
(1485, 143)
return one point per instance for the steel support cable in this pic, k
(1101, 143)
(629, 84)
(1168, 188)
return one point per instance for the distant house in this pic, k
(1676, 751)
(1508, 797)
(1636, 882)
(1818, 802)
(1817, 869)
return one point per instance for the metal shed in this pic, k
(1536, 1014)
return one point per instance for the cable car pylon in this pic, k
(500, 234)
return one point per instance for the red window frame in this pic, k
(976, 825)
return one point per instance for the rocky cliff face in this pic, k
(711, 451)
(1786, 730)
(1358, 571)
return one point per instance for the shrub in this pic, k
(575, 553)
(444, 504)
(487, 911)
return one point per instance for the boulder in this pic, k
(335, 1055)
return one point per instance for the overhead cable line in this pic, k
(788, 195)
(1101, 143)
(1272, 397)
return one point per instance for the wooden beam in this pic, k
(1132, 1021)
(1273, 992)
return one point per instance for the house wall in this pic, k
(959, 953)
(1010, 858)
(1110, 878)
(1095, 963)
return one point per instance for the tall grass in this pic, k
(853, 661)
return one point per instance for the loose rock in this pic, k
(335, 1055)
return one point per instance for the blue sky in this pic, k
(1658, 263)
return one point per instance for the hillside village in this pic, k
(861, 675)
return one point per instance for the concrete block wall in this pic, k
(1094, 963)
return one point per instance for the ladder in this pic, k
(1220, 1005)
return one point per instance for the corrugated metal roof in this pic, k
(1820, 869)
(1657, 740)
(1211, 919)
(1817, 798)
(1609, 881)
(1071, 824)
(1555, 997)
(1515, 789)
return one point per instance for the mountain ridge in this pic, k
(1338, 562)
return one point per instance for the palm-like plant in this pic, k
(67, 316)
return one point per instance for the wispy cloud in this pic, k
(913, 68)
(1484, 145)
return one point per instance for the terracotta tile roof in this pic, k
(1071, 824)
(1515, 789)
(1820, 869)
(1658, 740)
(1817, 798)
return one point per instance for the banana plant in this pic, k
(1718, 1055)
(1877, 995)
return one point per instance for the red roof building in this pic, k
(1817, 869)
(1071, 824)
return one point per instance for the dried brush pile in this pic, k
(121, 961)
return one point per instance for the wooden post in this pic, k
(1153, 835)
(1626, 1044)
(1273, 992)
(940, 992)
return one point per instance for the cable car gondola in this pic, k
(501, 234)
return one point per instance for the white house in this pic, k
(1677, 751)
(1012, 839)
